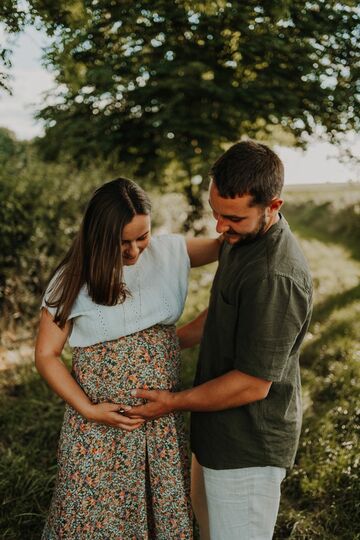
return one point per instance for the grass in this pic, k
(321, 494)
(30, 417)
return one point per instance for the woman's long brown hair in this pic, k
(95, 256)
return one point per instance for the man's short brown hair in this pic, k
(249, 167)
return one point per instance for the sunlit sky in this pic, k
(318, 164)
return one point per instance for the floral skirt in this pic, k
(119, 485)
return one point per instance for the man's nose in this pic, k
(221, 226)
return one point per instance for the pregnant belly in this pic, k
(148, 359)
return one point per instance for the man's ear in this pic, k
(275, 205)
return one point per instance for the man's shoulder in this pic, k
(285, 258)
(279, 257)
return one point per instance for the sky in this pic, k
(30, 80)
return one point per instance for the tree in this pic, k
(9, 146)
(162, 86)
(12, 19)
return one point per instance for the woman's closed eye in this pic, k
(140, 239)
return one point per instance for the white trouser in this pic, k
(243, 503)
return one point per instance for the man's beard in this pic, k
(249, 238)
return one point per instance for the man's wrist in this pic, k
(176, 401)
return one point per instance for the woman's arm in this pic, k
(203, 250)
(49, 345)
(191, 333)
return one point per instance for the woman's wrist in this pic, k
(87, 410)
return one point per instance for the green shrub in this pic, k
(328, 221)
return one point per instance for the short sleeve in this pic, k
(47, 295)
(77, 308)
(273, 314)
(175, 264)
(182, 268)
(180, 248)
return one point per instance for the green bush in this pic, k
(329, 221)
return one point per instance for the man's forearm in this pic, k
(226, 392)
(191, 333)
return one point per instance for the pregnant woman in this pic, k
(116, 296)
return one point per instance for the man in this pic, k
(246, 402)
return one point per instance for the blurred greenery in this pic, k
(12, 18)
(332, 216)
(29, 421)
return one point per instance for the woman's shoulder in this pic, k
(169, 251)
(168, 243)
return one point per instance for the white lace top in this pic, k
(158, 284)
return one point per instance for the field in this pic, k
(321, 494)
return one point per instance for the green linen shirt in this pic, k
(259, 312)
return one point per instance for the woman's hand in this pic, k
(110, 415)
(49, 345)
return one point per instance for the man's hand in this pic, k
(159, 404)
(233, 389)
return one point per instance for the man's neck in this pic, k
(274, 219)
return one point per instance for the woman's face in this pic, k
(135, 238)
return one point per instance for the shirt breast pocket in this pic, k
(226, 320)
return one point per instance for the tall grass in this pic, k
(30, 417)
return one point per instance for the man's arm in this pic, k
(190, 334)
(225, 392)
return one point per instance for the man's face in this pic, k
(237, 219)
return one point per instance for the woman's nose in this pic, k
(133, 249)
